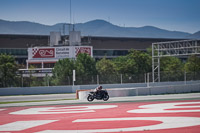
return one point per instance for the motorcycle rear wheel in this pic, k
(90, 98)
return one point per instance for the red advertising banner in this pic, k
(86, 50)
(43, 53)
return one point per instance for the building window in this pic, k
(114, 53)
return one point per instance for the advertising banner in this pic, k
(63, 52)
(43, 53)
(58, 52)
(87, 50)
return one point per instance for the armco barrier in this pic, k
(59, 89)
(156, 90)
(35, 90)
(72, 89)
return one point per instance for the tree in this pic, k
(121, 65)
(8, 69)
(141, 61)
(171, 68)
(192, 67)
(171, 64)
(85, 69)
(63, 71)
(149, 51)
(106, 71)
(136, 62)
(105, 67)
(85, 65)
(192, 64)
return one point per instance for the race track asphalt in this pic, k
(60, 99)
(176, 113)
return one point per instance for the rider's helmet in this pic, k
(99, 88)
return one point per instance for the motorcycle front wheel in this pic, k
(90, 98)
(106, 97)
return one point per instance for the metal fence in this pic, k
(106, 79)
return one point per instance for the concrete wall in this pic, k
(35, 90)
(124, 91)
(58, 89)
(154, 90)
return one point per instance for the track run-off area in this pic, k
(160, 116)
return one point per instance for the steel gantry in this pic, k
(172, 48)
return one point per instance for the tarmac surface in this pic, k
(143, 114)
(37, 97)
(58, 99)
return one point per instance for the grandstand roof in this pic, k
(98, 43)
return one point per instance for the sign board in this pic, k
(58, 52)
(86, 50)
(63, 52)
(43, 53)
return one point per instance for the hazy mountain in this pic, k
(91, 28)
(103, 28)
(25, 27)
(196, 35)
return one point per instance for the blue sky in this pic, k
(178, 15)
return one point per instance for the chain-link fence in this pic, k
(105, 79)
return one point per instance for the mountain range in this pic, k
(93, 28)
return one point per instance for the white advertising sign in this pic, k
(63, 52)
(58, 52)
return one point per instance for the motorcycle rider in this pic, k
(98, 89)
(98, 94)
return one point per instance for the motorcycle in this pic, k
(100, 95)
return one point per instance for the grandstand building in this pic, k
(43, 51)
(109, 47)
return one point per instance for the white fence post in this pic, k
(147, 79)
(22, 81)
(48, 80)
(185, 77)
(121, 79)
(74, 76)
(98, 79)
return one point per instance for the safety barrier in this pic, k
(124, 88)
(155, 90)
